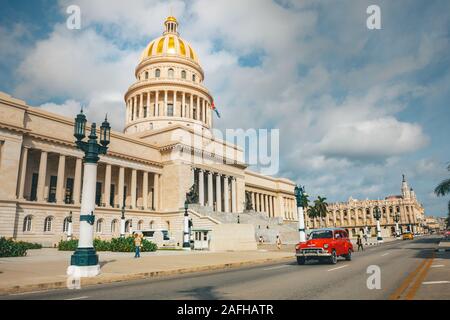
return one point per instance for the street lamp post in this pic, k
(69, 227)
(377, 216)
(299, 193)
(84, 261)
(122, 223)
(397, 219)
(186, 240)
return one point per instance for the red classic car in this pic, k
(325, 245)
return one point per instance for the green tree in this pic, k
(321, 208)
(312, 214)
(443, 189)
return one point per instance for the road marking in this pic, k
(338, 267)
(412, 292)
(437, 265)
(396, 295)
(385, 254)
(435, 282)
(277, 267)
(78, 298)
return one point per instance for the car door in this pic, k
(340, 245)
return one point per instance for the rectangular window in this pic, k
(98, 193)
(170, 110)
(68, 199)
(34, 183)
(52, 189)
(124, 195)
(111, 195)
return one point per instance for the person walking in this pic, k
(359, 243)
(137, 245)
(278, 242)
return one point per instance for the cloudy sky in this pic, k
(355, 107)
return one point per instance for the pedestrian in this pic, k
(278, 242)
(359, 243)
(137, 245)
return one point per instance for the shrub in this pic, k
(102, 245)
(30, 245)
(10, 248)
(68, 245)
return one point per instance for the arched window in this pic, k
(157, 73)
(66, 224)
(146, 75)
(48, 224)
(128, 226)
(27, 223)
(171, 73)
(183, 74)
(152, 224)
(99, 226)
(140, 224)
(193, 77)
(114, 226)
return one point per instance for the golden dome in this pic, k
(170, 44)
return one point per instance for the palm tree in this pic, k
(312, 214)
(441, 190)
(321, 207)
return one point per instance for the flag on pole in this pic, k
(213, 107)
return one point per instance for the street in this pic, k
(406, 269)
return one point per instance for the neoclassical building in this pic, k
(357, 215)
(166, 147)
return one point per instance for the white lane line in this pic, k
(277, 267)
(435, 282)
(78, 298)
(385, 254)
(437, 265)
(338, 267)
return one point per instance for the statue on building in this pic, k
(192, 195)
(248, 205)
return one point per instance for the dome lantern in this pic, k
(171, 24)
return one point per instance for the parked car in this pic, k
(325, 245)
(408, 236)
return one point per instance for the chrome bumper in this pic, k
(312, 253)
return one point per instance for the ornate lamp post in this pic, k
(186, 240)
(377, 216)
(299, 194)
(69, 227)
(397, 219)
(122, 223)
(84, 261)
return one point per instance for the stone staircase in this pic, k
(266, 227)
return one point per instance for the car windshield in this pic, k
(323, 234)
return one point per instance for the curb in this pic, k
(135, 276)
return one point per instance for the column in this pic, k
(148, 103)
(253, 200)
(77, 181)
(23, 172)
(156, 191)
(198, 108)
(141, 109)
(201, 187)
(271, 213)
(210, 189)
(226, 194)
(157, 103)
(257, 202)
(135, 108)
(191, 107)
(42, 176)
(204, 110)
(133, 188)
(60, 179)
(121, 186)
(145, 190)
(165, 103)
(218, 193)
(175, 113)
(233, 195)
(107, 188)
(183, 105)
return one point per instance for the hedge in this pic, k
(115, 245)
(11, 248)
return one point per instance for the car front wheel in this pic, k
(301, 260)
(333, 258)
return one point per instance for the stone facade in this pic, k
(357, 215)
(166, 148)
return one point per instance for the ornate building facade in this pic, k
(357, 216)
(167, 147)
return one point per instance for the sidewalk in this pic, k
(45, 269)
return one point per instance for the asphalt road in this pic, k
(399, 263)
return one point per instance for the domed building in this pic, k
(166, 150)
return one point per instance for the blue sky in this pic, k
(356, 108)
